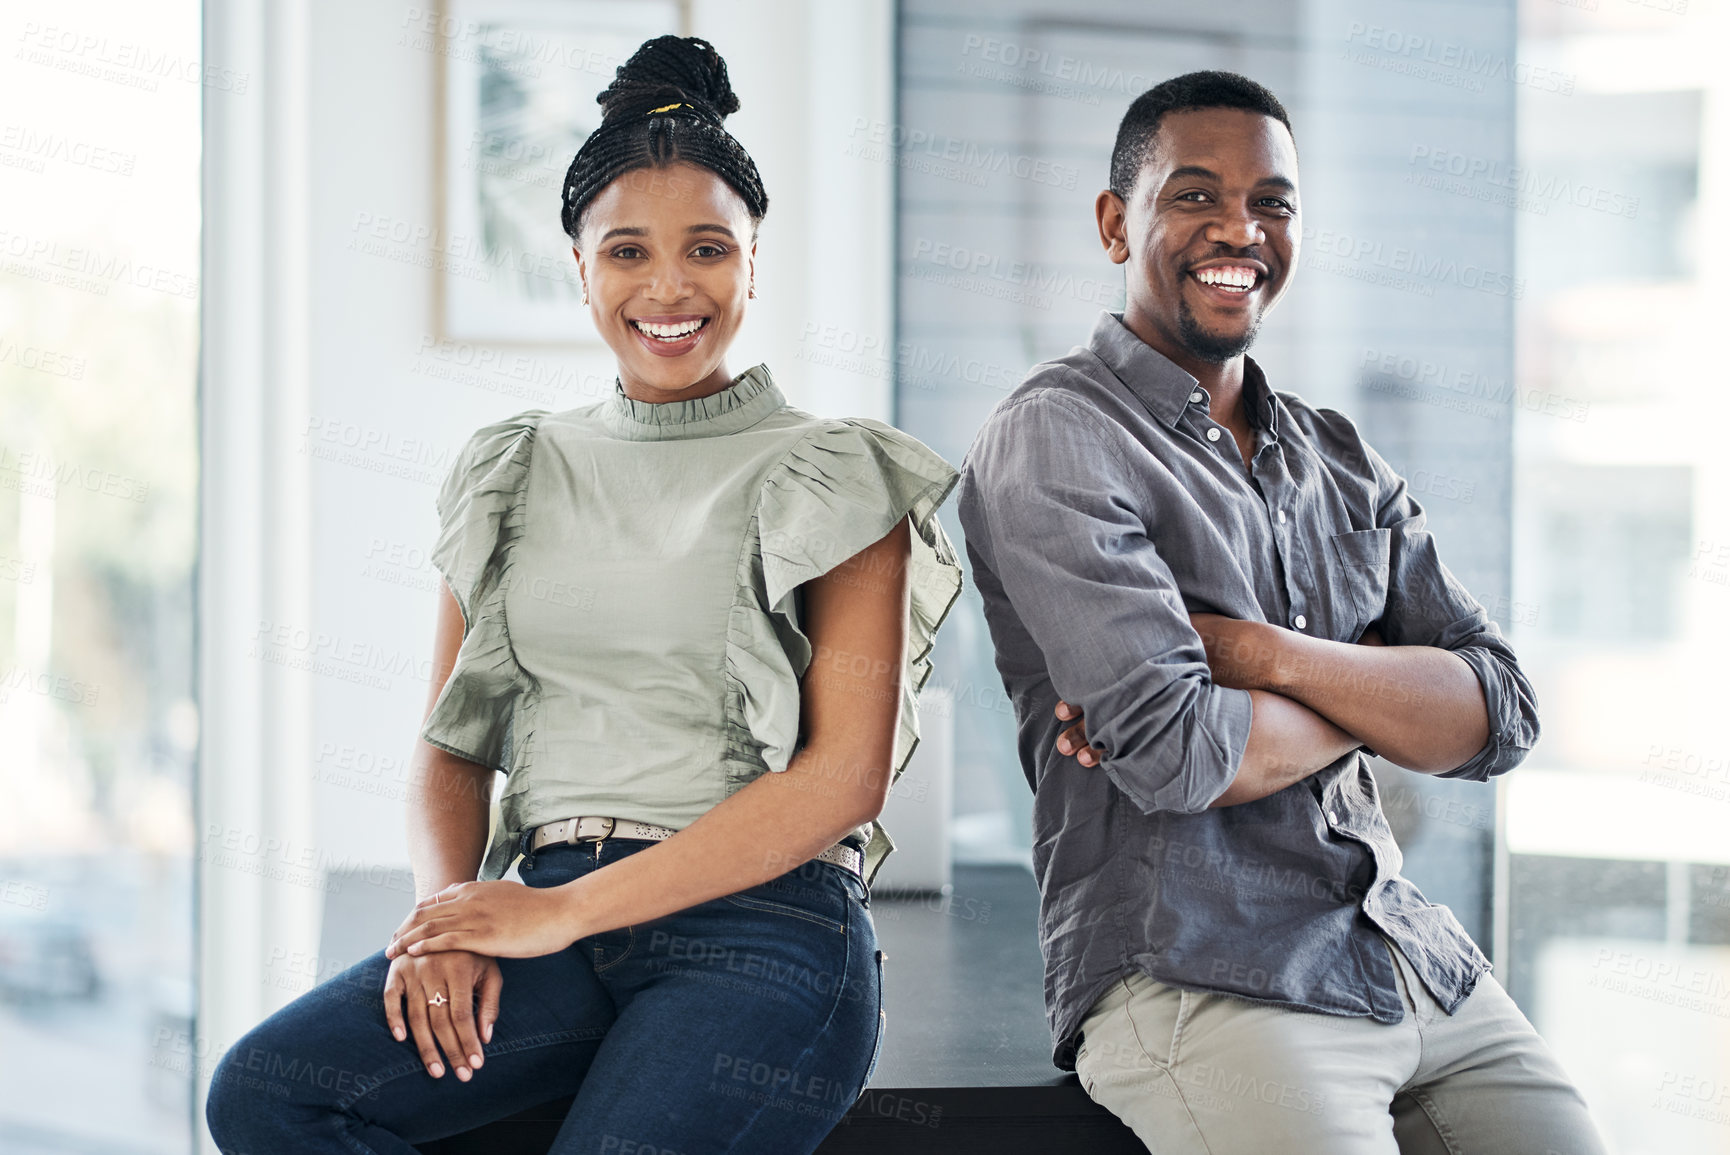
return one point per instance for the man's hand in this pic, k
(1073, 740)
(1236, 653)
(502, 919)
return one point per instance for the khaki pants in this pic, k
(1202, 1074)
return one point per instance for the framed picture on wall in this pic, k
(518, 80)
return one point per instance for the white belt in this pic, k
(592, 827)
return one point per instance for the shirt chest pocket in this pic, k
(1358, 565)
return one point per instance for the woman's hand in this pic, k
(501, 919)
(455, 975)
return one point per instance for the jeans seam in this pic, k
(409, 1066)
(822, 1032)
(882, 1026)
(1444, 1132)
(630, 945)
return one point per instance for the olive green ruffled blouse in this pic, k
(629, 579)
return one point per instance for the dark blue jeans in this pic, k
(746, 1024)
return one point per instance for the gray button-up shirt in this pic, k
(1102, 506)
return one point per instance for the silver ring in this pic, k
(438, 1000)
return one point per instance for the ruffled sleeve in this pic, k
(480, 508)
(836, 492)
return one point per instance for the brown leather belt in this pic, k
(596, 828)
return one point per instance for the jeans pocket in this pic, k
(815, 901)
(1156, 1015)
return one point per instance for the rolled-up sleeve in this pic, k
(1046, 503)
(1427, 606)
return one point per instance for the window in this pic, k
(99, 273)
(1617, 867)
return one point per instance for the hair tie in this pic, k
(667, 108)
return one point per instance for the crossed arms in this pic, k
(1314, 700)
(1186, 712)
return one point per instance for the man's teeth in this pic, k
(670, 332)
(1235, 278)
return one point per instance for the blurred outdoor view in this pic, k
(1618, 827)
(99, 258)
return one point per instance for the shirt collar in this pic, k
(751, 397)
(1163, 387)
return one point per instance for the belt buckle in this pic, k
(572, 837)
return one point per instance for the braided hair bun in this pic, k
(664, 106)
(670, 68)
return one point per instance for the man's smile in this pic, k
(1228, 282)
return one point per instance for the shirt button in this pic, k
(1282, 517)
(1213, 435)
(1300, 621)
(1196, 396)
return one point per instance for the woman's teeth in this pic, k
(670, 332)
(1235, 279)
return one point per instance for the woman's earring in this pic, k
(585, 292)
(752, 293)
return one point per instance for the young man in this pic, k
(1208, 599)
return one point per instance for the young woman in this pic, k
(688, 624)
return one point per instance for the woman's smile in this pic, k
(670, 336)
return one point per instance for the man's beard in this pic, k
(1213, 348)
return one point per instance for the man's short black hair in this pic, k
(1180, 94)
